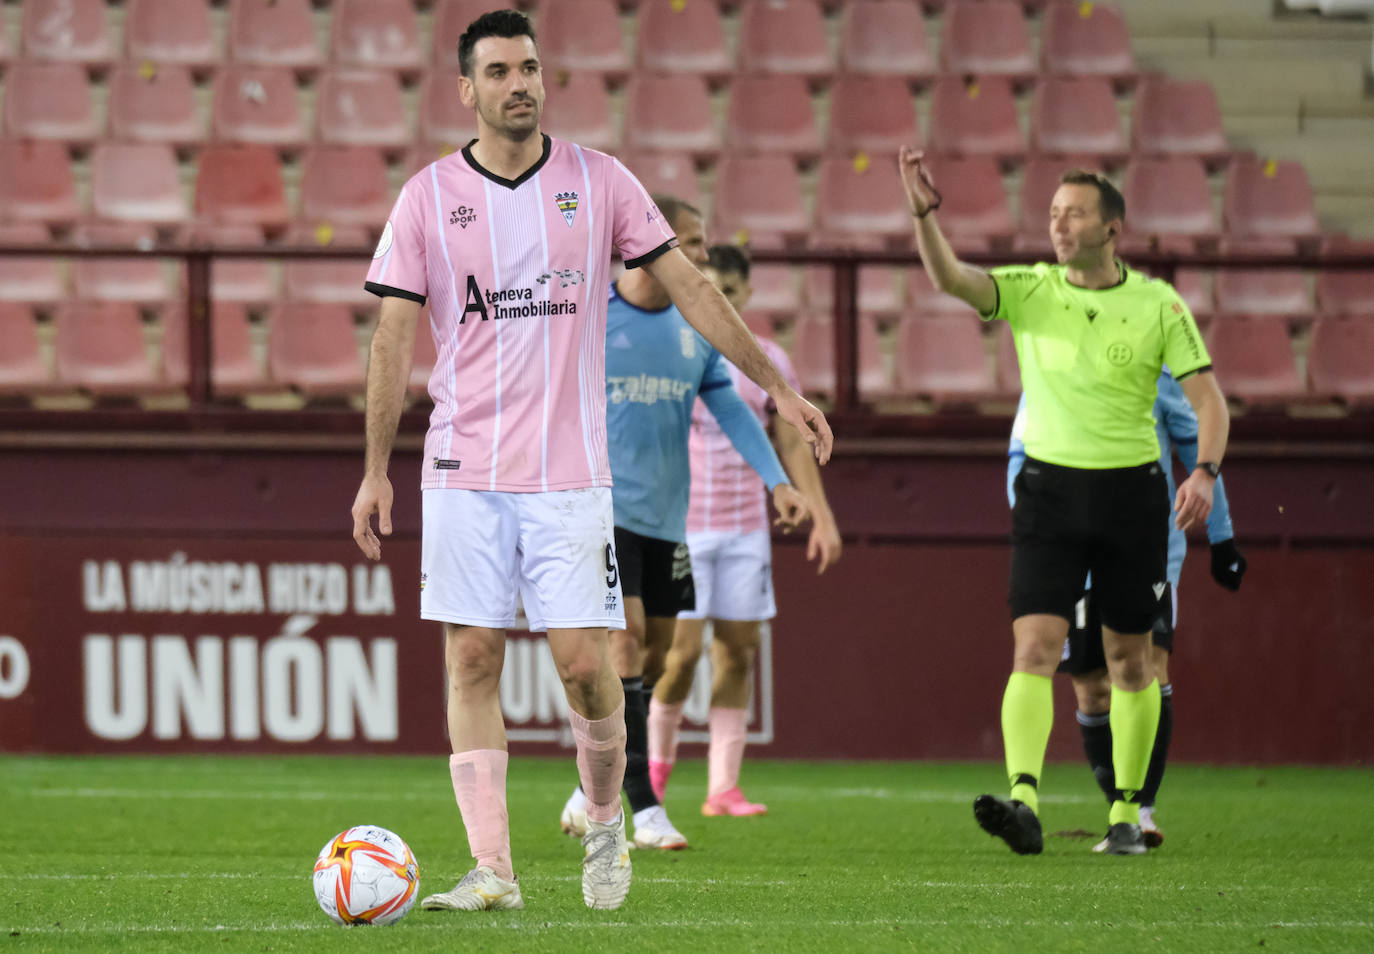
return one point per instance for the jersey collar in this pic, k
(1122, 275)
(509, 183)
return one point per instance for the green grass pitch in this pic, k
(215, 854)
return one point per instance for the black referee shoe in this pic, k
(1123, 838)
(1012, 821)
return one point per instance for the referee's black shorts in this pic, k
(1084, 652)
(1069, 522)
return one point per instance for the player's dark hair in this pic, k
(505, 24)
(672, 207)
(1109, 199)
(729, 259)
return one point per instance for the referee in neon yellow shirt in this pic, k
(1091, 335)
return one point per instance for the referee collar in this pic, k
(1121, 279)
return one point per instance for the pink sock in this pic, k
(601, 761)
(664, 720)
(479, 784)
(726, 751)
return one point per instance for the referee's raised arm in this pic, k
(947, 273)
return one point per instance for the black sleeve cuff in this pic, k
(390, 291)
(651, 255)
(996, 301)
(1189, 374)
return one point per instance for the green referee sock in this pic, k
(1135, 719)
(1027, 714)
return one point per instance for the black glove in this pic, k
(1228, 564)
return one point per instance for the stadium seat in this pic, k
(49, 101)
(582, 36)
(329, 280)
(22, 368)
(25, 278)
(977, 118)
(376, 35)
(37, 183)
(1039, 182)
(241, 280)
(861, 197)
(234, 368)
(424, 356)
(775, 290)
(772, 113)
(357, 108)
(784, 36)
(1262, 291)
(941, 357)
(886, 37)
(758, 194)
(974, 214)
(254, 104)
(345, 185)
(1077, 116)
(986, 38)
(279, 33)
(138, 279)
(99, 347)
(313, 348)
(71, 30)
(443, 117)
(677, 37)
(924, 301)
(137, 182)
(668, 172)
(154, 104)
(1178, 117)
(1169, 196)
(813, 350)
(451, 18)
(871, 114)
(1338, 360)
(241, 185)
(1194, 288)
(578, 108)
(1345, 292)
(1253, 358)
(1086, 39)
(170, 33)
(667, 112)
(1269, 199)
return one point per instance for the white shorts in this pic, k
(555, 550)
(733, 574)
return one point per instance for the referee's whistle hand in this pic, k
(1193, 503)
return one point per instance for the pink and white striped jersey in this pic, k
(516, 273)
(727, 495)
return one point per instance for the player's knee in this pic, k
(581, 674)
(471, 662)
(1093, 692)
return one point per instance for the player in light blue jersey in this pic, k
(1176, 428)
(657, 365)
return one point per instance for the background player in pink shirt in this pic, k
(727, 535)
(510, 242)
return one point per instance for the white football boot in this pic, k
(654, 830)
(605, 865)
(480, 890)
(573, 821)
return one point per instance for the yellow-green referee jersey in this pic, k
(1090, 358)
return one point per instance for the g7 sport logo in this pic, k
(567, 204)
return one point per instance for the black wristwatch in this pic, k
(1212, 469)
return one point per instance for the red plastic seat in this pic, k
(1196, 291)
(758, 194)
(36, 182)
(451, 19)
(1345, 293)
(313, 348)
(424, 356)
(1263, 291)
(345, 185)
(443, 117)
(665, 172)
(136, 279)
(170, 32)
(978, 118)
(986, 38)
(772, 113)
(137, 182)
(784, 36)
(241, 280)
(254, 104)
(1338, 360)
(1169, 196)
(885, 37)
(1177, 117)
(861, 197)
(1269, 199)
(1077, 116)
(812, 353)
(577, 108)
(666, 112)
(329, 280)
(775, 290)
(1253, 357)
(154, 104)
(941, 357)
(872, 114)
(99, 347)
(49, 101)
(22, 368)
(278, 33)
(677, 37)
(582, 36)
(234, 368)
(1086, 39)
(1039, 182)
(24, 278)
(241, 185)
(924, 301)
(974, 214)
(376, 35)
(355, 108)
(71, 30)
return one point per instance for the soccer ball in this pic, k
(366, 875)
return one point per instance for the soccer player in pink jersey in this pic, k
(510, 241)
(727, 535)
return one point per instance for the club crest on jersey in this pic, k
(567, 204)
